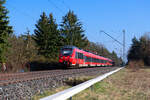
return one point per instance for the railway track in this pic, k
(6, 79)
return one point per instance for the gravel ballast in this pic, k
(25, 90)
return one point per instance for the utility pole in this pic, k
(123, 45)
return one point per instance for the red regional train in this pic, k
(72, 56)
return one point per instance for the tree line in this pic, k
(16, 52)
(140, 50)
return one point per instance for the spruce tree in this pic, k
(73, 30)
(5, 31)
(134, 52)
(47, 36)
(115, 58)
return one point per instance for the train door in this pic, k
(77, 60)
(84, 58)
(80, 59)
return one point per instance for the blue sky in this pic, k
(112, 16)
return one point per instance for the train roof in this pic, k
(69, 46)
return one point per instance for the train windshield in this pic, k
(66, 51)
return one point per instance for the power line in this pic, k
(65, 4)
(21, 12)
(117, 36)
(112, 41)
(50, 1)
(112, 37)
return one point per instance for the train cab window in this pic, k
(66, 51)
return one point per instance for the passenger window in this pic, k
(76, 56)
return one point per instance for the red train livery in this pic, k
(73, 56)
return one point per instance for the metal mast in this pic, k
(123, 45)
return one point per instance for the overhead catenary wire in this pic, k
(60, 10)
(21, 12)
(112, 37)
(110, 41)
(67, 6)
(118, 35)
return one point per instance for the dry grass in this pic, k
(135, 65)
(124, 85)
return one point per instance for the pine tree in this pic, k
(5, 31)
(134, 51)
(115, 58)
(47, 36)
(143, 47)
(73, 30)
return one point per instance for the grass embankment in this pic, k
(123, 85)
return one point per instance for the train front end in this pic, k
(66, 56)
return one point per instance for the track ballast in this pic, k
(27, 84)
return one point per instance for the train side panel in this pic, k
(73, 56)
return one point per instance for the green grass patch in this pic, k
(100, 87)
